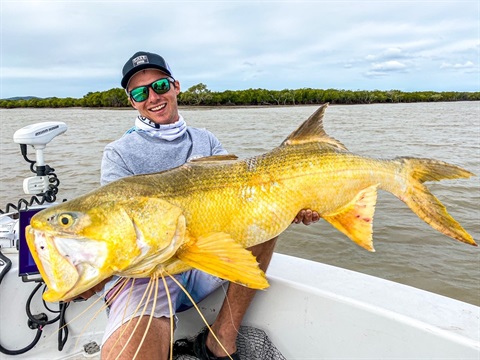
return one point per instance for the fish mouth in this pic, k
(58, 272)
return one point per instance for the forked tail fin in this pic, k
(424, 203)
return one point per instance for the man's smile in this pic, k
(159, 107)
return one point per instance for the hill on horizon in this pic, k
(22, 98)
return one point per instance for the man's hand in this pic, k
(306, 216)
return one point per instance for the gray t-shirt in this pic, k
(138, 153)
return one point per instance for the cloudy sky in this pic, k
(69, 48)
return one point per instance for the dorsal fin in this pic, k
(214, 158)
(312, 131)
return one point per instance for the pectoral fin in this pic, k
(356, 218)
(219, 255)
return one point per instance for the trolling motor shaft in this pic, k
(38, 136)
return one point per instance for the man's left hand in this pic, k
(306, 216)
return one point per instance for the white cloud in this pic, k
(388, 54)
(466, 67)
(389, 66)
(62, 72)
(385, 68)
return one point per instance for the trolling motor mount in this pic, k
(38, 136)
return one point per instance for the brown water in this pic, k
(407, 250)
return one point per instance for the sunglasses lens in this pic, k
(139, 94)
(161, 86)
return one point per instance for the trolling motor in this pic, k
(44, 185)
(38, 136)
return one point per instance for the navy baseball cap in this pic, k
(143, 60)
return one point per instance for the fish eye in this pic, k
(66, 220)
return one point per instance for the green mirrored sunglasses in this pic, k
(160, 86)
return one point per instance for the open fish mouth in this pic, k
(57, 270)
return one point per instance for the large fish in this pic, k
(205, 213)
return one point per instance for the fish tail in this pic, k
(434, 170)
(423, 203)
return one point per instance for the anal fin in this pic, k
(356, 218)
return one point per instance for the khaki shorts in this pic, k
(125, 305)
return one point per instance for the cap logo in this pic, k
(139, 60)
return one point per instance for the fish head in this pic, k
(77, 245)
(75, 249)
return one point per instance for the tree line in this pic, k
(200, 95)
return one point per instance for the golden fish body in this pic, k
(205, 213)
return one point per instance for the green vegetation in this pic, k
(200, 95)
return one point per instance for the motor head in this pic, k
(40, 134)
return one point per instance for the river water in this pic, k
(407, 250)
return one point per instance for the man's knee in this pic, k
(263, 252)
(266, 246)
(128, 338)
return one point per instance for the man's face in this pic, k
(160, 108)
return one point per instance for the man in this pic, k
(159, 141)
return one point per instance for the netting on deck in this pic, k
(252, 344)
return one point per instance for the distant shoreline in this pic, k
(211, 107)
(199, 96)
